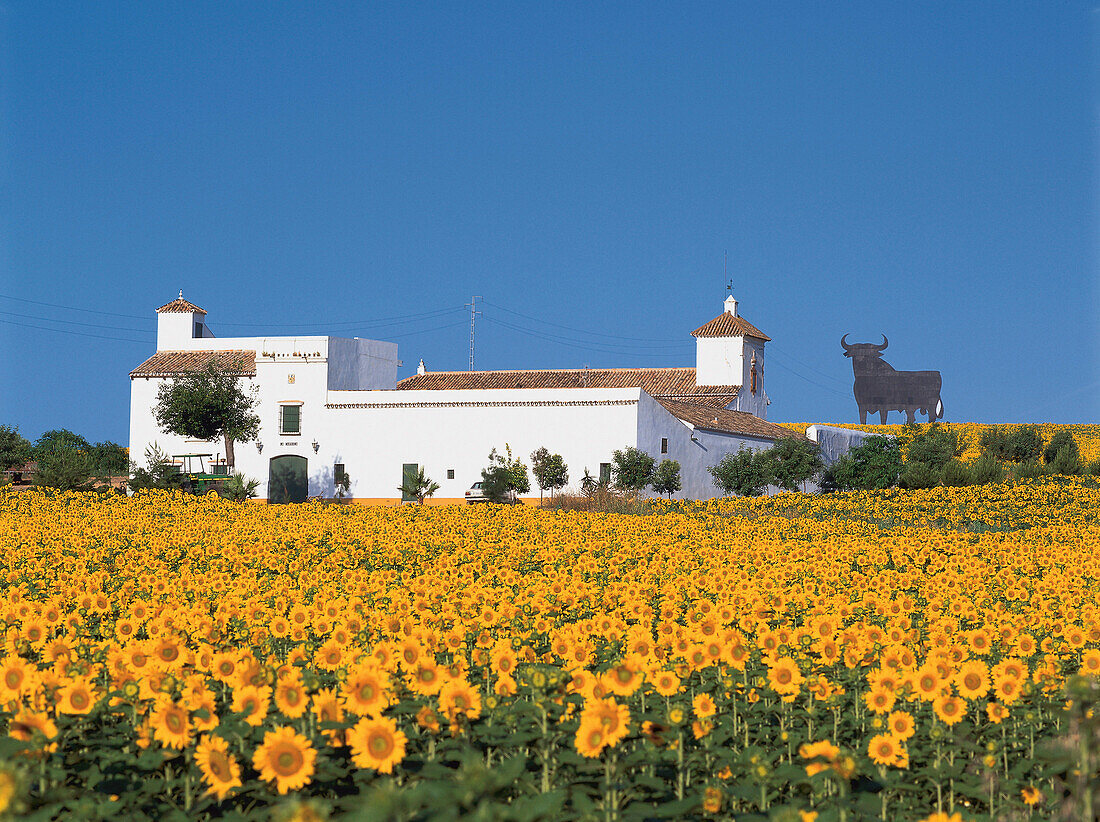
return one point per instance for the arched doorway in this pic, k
(287, 480)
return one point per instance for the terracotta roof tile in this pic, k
(657, 382)
(179, 306)
(174, 363)
(730, 422)
(727, 325)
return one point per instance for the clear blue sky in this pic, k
(927, 170)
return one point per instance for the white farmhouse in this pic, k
(330, 404)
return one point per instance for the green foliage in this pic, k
(793, 462)
(549, 470)
(419, 486)
(934, 447)
(495, 484)
(208, 404)
(1062, 440)
(1029, 470)
(666, 478)
(159, 472)
(1093, 468)
(1067, 461)
(746, 473)
(631, 468)
(65, 469)
(1023, 444)
(238, 488)
(108, 459)
(956, 474)
(15, 449)
(59, 439)
(341, 482)
(873, 465)
(986, 470)
(918, 475)
(515, 472)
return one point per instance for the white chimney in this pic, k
(420, 369)
(731, 305)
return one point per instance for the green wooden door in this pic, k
(408, 476)
(287, 479)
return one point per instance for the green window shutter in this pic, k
(291, 422)
(409, 471)
(605, 472)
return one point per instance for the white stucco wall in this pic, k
(696, 450)
(719, 360)
(444, 430)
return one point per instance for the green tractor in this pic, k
(199, 479)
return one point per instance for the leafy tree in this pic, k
(15, 449)
(875, 464)
(66, 469)
(419, 486)
(208, 404)
(160, 472)
(793, 462)
(109, 458)
(505, 478)
(59, 439)
(666, 478)
(518, 480)
(746, 473)
(632, 468)
(935, 447)
(1062, 439)
(239, 488)
(549, 470)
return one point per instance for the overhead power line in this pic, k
(76, 333)
(76, 322)
(579, 330)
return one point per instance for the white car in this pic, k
(476, 495)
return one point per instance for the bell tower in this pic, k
(729, 351)
(179, 322)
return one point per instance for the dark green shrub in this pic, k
(956, 474)
(919, 475)
(1029, 470)
(875, 464)
(986, 470)
(632, 468)
(933, 447)
(1061, 440)
(1067, 461)
(793, 462)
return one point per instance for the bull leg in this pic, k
(862, 416)
(910, 416)
(882, 415)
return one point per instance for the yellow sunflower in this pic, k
(377, 743)
(171, 725)
(220, 770)
(286, 758)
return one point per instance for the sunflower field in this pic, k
(901, 655)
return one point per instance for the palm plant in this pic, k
(419, 486)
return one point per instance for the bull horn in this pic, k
(885, 343)
(845, 345)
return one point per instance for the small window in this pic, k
(450, 473)
(290, 419)
(605, 473)
(337, 472)
(664, 445)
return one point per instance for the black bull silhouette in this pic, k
(880, 389)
